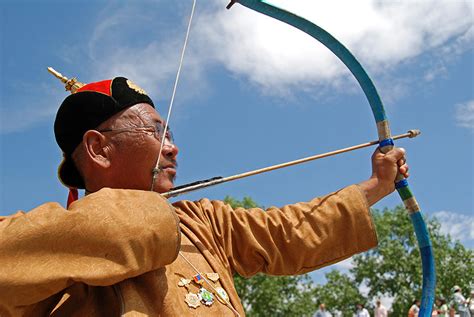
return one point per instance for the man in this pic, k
(470, 303)
(441, 307)
(380, 310)
(459, 302)
(322, 312)
(124, 250)
(362, 311)
(414, 309)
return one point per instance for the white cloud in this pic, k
(382, 34)
(152, 63)
(465, 114)
(142, 43)
(279, 59)
(459, 226)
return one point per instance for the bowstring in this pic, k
(157, 165)
(157, 168)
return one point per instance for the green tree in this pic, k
(340, 293)
(394, 267)
(264, 295)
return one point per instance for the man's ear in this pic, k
(97, 148)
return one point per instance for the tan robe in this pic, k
(115, 252)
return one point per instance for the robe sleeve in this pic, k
(294, 239)
(104, 238)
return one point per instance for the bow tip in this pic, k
(231, 3)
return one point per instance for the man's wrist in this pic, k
(375, 190)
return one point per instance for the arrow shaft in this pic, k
(219, 180)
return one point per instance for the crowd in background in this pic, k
(456, 306)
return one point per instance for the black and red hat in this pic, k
(87, 107)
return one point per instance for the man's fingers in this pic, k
(401, 161)
(399, 154)
(396, 154)
(404, 170)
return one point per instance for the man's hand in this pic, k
(385, 168)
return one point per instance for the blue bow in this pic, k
(385, 138)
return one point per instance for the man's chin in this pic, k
(163, 187)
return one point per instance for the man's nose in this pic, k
(170, 150)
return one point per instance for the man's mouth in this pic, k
(169, 164)
(170, 169)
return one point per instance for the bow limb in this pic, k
(384, 134)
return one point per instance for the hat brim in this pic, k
(69, 175)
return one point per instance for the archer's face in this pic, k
(135, 151)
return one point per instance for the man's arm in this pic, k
(293, 239)
(301, 237)
(103, 239)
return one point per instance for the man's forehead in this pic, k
(145, 111)
(139, 114)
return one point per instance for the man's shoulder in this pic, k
(41, 208)
(12, 216)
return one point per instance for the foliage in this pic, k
(340, 293)
(264, 295)
(246, 202)
(394, 267)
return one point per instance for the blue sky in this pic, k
(253, 92)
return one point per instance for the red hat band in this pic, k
(104, 87)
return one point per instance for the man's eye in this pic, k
(159, 127)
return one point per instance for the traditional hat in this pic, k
(86, 108)
(455, 289)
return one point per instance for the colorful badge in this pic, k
(184, 282)
(193, 300)
(222, 295)
(206, 297)
(213, 276)
(198, 279)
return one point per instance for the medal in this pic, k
(206, 297)
(198, 279)
(213, 276)
(184, 282)
(193, 300)
(222, 295)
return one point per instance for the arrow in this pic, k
(219, 179)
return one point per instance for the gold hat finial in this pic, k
(71, 84)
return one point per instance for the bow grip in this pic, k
(401, 184)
